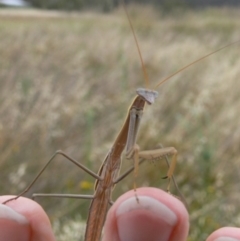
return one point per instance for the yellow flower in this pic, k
(86, 185)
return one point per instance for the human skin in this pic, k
(158, 216)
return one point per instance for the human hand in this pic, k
(157, 216)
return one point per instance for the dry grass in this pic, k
(66, 83)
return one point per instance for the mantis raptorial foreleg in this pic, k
(133, 150)
(158, 154)
(153, 155)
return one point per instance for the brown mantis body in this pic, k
(111, 165)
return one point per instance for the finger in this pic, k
(13, 225)
(157, 216)
(225, 234)
(24, 219)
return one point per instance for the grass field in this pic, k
(66, 81)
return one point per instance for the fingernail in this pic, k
(13, 225)
(148, 219)
(224, 238)
(8, 213)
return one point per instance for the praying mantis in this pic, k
(108, 174)
(125, 139)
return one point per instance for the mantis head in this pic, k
(148, 95)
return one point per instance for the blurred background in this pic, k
(68, 75)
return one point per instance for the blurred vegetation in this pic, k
(110, 5)
(66, 81)
(103, 5)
